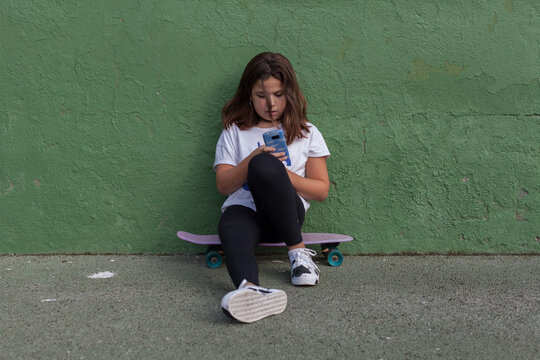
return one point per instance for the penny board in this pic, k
(309, 239)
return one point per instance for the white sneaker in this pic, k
(251, 303)
(303, 269)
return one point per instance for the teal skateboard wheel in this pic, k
(334, 257)
(213, 258)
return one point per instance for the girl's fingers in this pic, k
(280, 156)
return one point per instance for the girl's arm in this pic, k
(316, 183)
(230, 178)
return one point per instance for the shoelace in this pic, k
(303, 257)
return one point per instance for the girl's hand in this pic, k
(269, 149)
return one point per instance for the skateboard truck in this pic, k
(214, 255)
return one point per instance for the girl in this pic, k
(267, 200)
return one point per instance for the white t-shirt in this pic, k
(234, 145)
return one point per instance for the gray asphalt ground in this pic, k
(167, 307)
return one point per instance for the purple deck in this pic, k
(309, 238)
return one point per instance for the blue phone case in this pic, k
(276, 139)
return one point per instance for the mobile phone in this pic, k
(276, 139)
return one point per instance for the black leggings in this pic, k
(279, 218)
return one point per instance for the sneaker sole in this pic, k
(305, 281)
(250, 306)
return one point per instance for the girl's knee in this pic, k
(264, 166)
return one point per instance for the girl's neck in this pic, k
(265, 125)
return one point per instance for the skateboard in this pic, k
(214, 254)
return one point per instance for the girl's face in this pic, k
(275, 107)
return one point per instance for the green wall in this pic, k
(110, 111)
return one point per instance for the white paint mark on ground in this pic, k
(48, 300)
(102, 275)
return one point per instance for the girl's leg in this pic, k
(240, 232)
(301, 216)
(282, 211)
(278, 205)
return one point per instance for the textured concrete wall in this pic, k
(110, 111)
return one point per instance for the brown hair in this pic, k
(239, 111)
